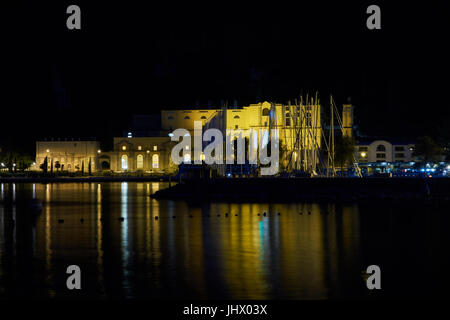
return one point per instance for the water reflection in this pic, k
(172, 249)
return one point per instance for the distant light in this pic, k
(3, 164)
(363, 154)
(229, 175)
(99, 151)
(148, 151)
(48, 150)
(448, 167)
(170, 134)
(14, 164)
(130, 135)
(34, 163)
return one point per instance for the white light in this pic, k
(170, 134)
(99, 151)
(48, 150)
(3, 164)
(130, 135)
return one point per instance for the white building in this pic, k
(384, 151)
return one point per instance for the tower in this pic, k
(347, 120)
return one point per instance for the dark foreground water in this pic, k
(319, 254)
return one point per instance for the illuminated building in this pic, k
(384, 151)
(67, 155)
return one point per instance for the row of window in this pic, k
(155, 148)
(381, 147)
(185, 118)
(396, 155)
(139, 162)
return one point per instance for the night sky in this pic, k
(133, 59)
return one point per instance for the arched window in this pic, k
(265, 112)
(124, 163)
(140, 162)
(155, 161)
(186, 118)
(381, 147)
(202, 117)
(236, 117)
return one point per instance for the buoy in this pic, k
(60, 220)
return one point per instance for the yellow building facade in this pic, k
(148, 154)
(68, 156)
(299, 127)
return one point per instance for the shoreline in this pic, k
(310, 189)
(81, 179)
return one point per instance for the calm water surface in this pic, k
(319, 254)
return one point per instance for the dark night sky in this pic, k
(132, 59)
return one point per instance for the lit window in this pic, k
(139, 147)
(187, 158)
(202, 117)
(124, 148)
(124, 162)
(236, 117)
(155, 161)
(265, 112)
(140, 162)
(155, 148)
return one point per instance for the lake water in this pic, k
(125, 252)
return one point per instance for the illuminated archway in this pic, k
(155, 161)
(140, 162)
(124, 162)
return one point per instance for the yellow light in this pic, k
(363, 154)
(148, 151)
(48, 150)
(99, 151)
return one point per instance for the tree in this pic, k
(427, 149)
(51, 166)
(44, 165)
(90, 166)
(57, 165)
(82, 167)
(344, 149)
